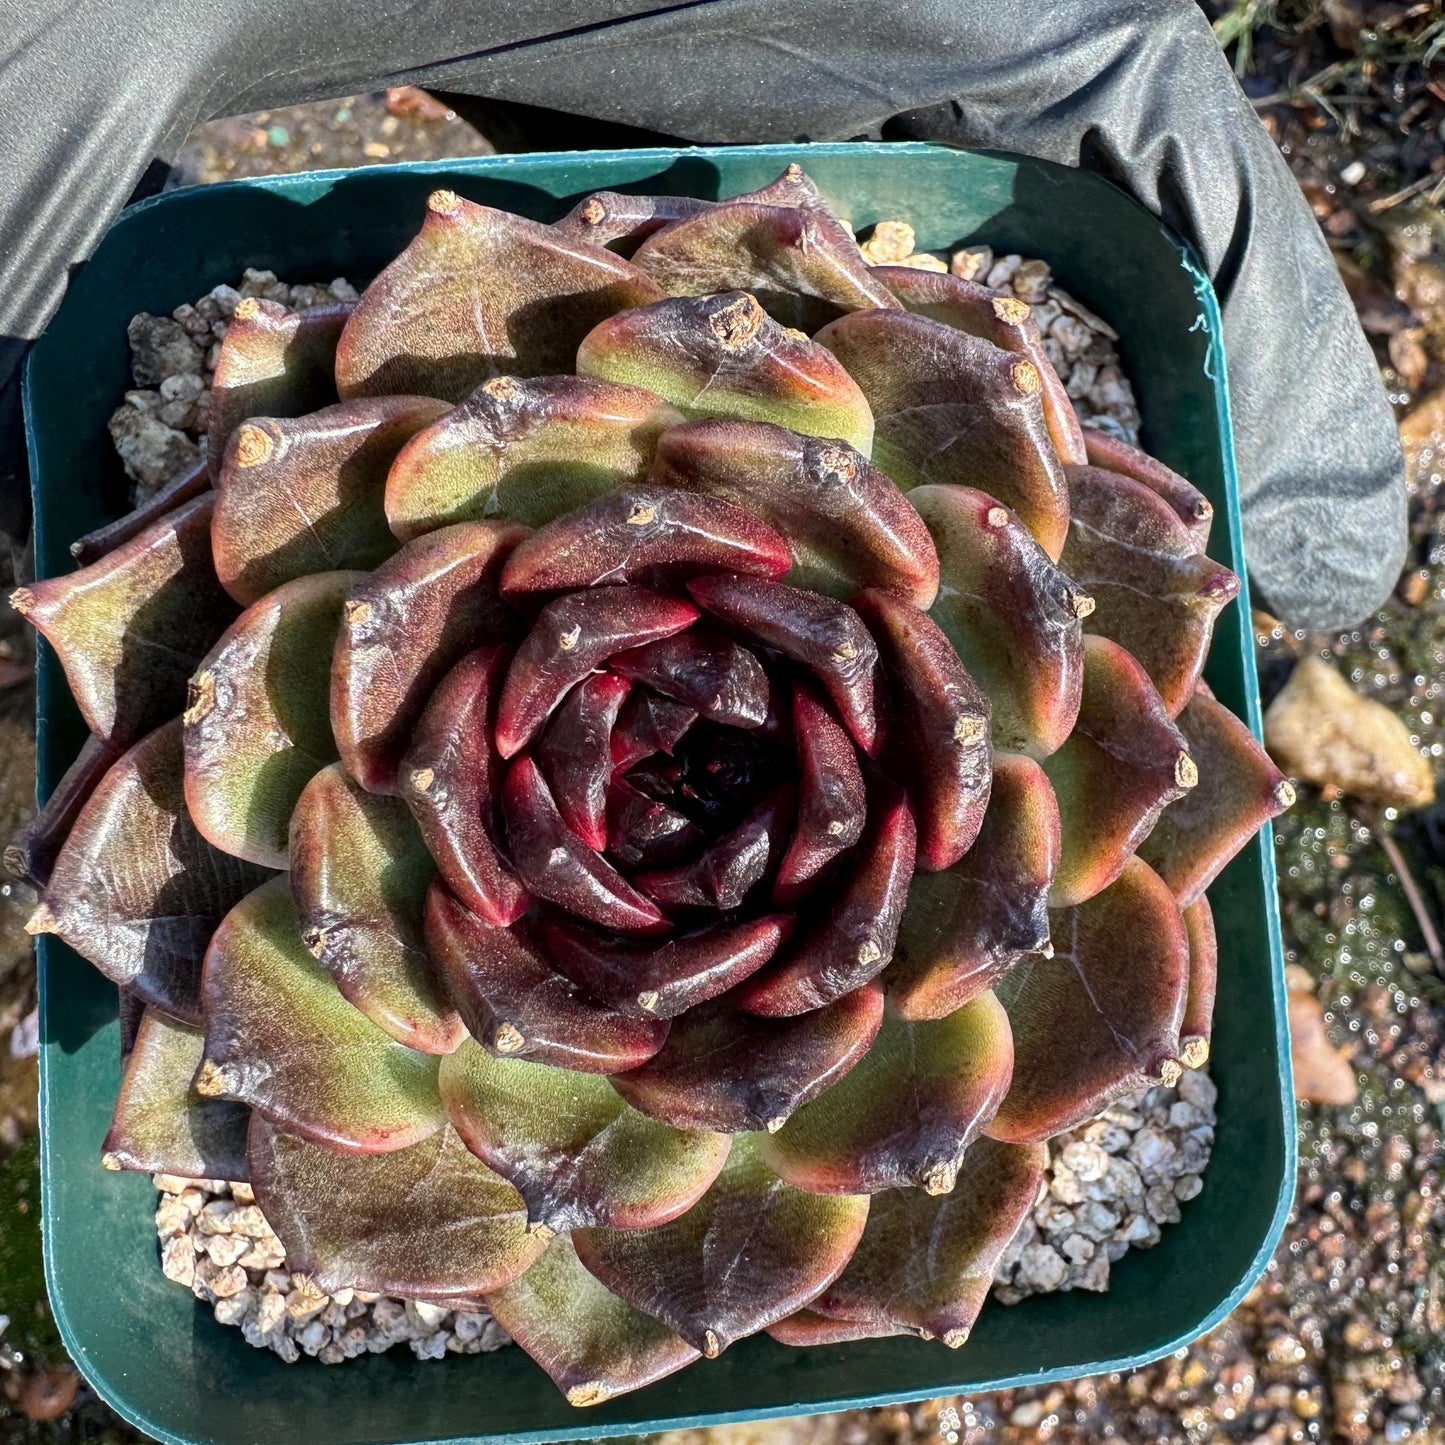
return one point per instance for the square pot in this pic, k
(155, 1354)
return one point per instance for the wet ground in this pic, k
(1344, 1339)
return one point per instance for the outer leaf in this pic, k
(721, 679)
(161, 1125)
(136, 889)
(430, 1220)
(1239, 791)
(607, 217)
(405, 626)
(31, 853)
(964, 928)
(645, 534)
(925, 1265)
(1099, 1018)
(129, 628)
(801, 263)
(1198, 1021)
(1006, 322)
(558, 866)
(359, 875)
(723, 356)
(847, 523)
(451, 780)
(663, 980)
(305, 495)
(256, 723)
(1194, 508)
(170, 498)
(726, 1070)
(570, 637)
(906, 1114)
(940, 739)
(954, 408)
(517, 1005)
(594, 1345)
(826, 637)
(273, 362)
(576, 1152)
(807, 1329)
(479, 293)
(525, 448)
(1011, 615)
(1156, 595)
(1114, 776)
(853, 942)
(280, 1037)
(749, 1252)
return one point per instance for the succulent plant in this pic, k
(660, 768)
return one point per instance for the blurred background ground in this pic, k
(1344, 1339)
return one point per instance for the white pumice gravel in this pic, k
(1111, 1184)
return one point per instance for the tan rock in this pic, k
(1320, 729)
(1322, 1073)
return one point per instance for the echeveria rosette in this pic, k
(671, 809)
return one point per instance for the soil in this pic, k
(1344, 1338)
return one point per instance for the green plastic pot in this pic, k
(155, 1354)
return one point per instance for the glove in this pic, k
(1136, 89)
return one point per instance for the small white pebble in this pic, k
(178, 1260)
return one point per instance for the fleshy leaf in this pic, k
(751, 1251)
(1156, 594)
(594, 1345)
(570, 637)
(576, 1152)
(1007, 322)
(451, 780)
(964, 928)
(161, 1125)
(257, 724)
(359, 875)
(646, 534)
(528, 449)
(1198, 1022)
(607, 217)
(806, 1329)
(31, 853)
(724, 356)
(170, 498)
(800, 262)
(847, 523)
(643, 832)
(726, 1070)
(1124, 762)
(1012, 616)
(130, 628)
(906, 1114)
(925, 1264)
(722, 680)
(136, 889)
(832, 802)
(662, 980)
(825, 636)
(1240, 790)
(280, 1037)
(305, 494)
(404, 626)
(517, 1005)
(853, 942)
(953, 408)
(273, 362)
(941, 720)
(648, 725)
(1100, 1018)
(723, 875)
(480, 293)
(575, 753)
(558, 866)
(1194, 508)
(430, 1220)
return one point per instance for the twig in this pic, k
(1411, 890)
(1384, 203)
